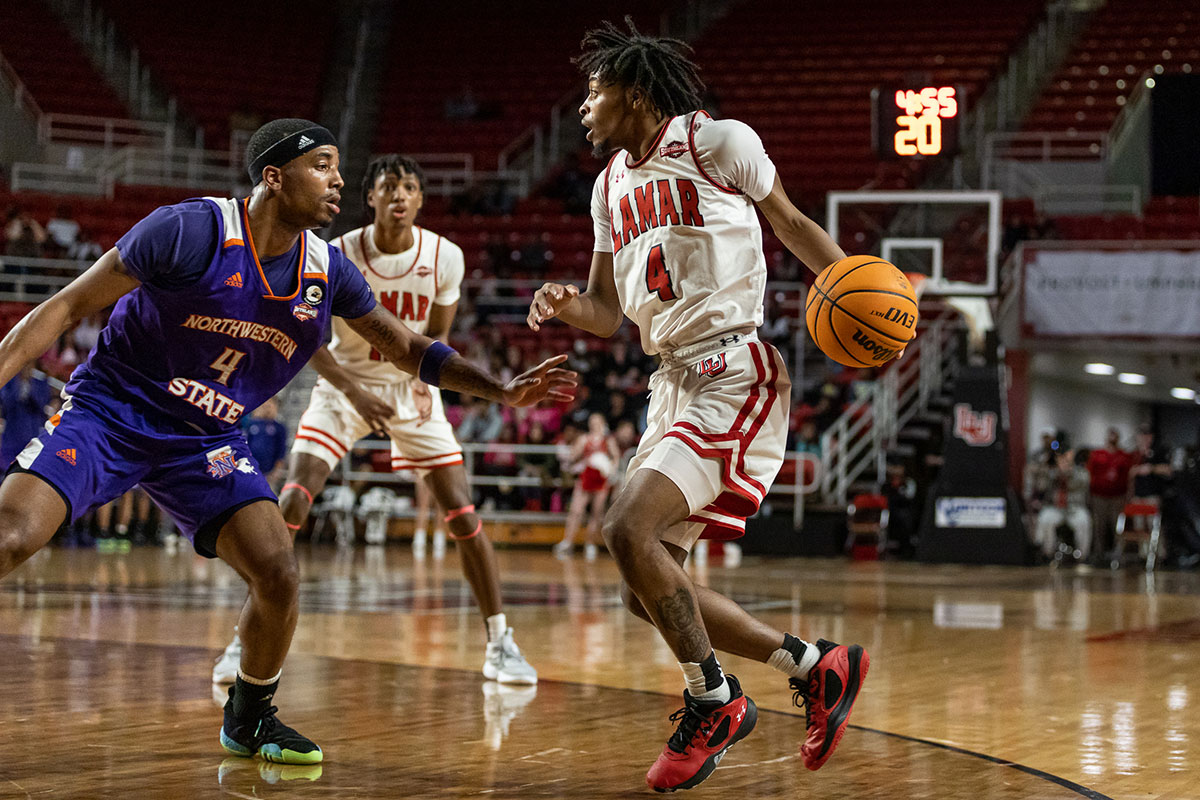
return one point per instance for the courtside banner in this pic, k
(1112, 293)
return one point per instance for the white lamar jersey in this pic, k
(684, 233)
(407, 284)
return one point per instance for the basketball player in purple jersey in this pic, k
(218, 304)
(416, 274)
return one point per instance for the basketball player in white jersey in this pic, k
(679, 251)
(415, 274)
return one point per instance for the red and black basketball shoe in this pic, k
(827, 697)
(705, 732)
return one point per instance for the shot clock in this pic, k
(916, 120)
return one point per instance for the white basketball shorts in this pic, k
(717, 427)
(331, 426)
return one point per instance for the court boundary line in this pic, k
(1083, 791)
(1079, 789)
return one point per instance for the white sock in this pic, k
(693, 673)
(784, 660)
(497, 624)
(259, 681)
(419, 533)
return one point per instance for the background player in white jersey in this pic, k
(679, 251)
(415, 274)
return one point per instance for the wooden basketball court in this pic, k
(985, 682)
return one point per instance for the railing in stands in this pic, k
(190, 168)
(1088, 199)
(106, 132)
(859, 439)
(21, 97)
(474, 453)
(120, 63)
(80, 129)
(1039, 146)
(32, 280)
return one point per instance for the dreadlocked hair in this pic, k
(397, 165)
(660, 67)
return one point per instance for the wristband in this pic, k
(432, 361)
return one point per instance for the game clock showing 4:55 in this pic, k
(916, 120)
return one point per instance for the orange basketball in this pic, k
(861, 312)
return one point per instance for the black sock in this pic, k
(793, 646)
(713, 677)
(251, 700)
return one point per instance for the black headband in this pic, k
(291, 146)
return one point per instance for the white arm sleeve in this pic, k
(734, 154)
(451, 268)
(601, 222)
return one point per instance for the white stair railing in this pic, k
(859, 439)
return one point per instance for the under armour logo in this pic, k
(304, 142)
(728, 340)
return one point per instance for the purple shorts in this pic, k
(90, 457)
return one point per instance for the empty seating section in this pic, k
(504, 64)
(802, 73)
(51, 64)
(1126, 39)
(264, 59)
(1163, 219)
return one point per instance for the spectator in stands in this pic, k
(268, 439)
(85, 248)
(23, 236)
(1109, 468)
(542, 466)
(619, 409)
(808, 440)
(1064, 501)
(87, 333)
(23, 403)
(63, 230)
(1051, 441)
(501, 461)
(1151, 473)
(777, 328)
(481, 421)
(1152, 480)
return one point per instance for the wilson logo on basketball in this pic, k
(977, 429)
(897, 316)
(877, 351)
(673, 150)
(712, 366)
(67, 455)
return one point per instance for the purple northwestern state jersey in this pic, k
(201, 341)
(200, 357)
